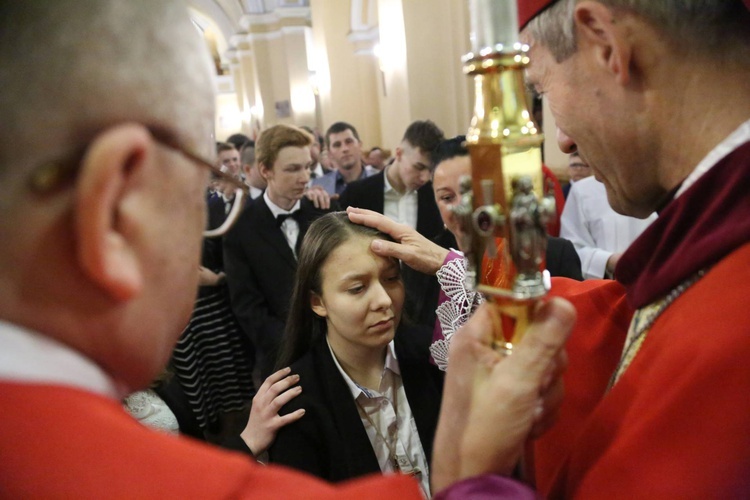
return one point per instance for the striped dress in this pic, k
(213, 360)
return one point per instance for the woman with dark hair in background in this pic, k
(370, 395)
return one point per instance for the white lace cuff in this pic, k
(458, 307)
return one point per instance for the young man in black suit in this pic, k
(260, 252)
(403, 191)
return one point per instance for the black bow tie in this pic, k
(282, 217)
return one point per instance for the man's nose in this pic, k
(565, 143)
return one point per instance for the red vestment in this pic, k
(677, 422)
(59, 442)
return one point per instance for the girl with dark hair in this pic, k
(370, 395)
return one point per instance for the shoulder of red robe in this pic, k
(529, 9)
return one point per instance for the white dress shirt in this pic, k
(595, 229)
(289, 227)
(400, 207)
(389, 410)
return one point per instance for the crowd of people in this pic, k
(296, 300)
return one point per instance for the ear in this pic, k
(399, 153)
(104, 237)
(598, 29)
(317, 305)
(264, 171)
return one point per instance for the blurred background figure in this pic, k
(378, 158)
(599, 234)
(577, 170)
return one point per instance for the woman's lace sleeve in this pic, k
(455, 306)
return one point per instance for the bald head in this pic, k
(128, 84)
(73, 67)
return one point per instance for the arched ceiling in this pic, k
(221, 20)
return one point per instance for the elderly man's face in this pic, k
(599, 117)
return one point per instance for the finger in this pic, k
(392, 249)
(544, 339)
(283, 385)
(289, 418)
(315, 198)
(273, 378)
(378, 221)
(551, 402)
(286, 396)
(476, 330)
(415, 251)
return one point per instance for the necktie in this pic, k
(282, 217)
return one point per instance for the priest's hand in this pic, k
(410, 247)
(493, 404)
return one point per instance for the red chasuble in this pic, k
(677, 422)
(58, 442)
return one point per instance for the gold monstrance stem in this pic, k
(508, 212)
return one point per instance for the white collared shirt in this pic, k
(399, 207)
(289, 227)
(594, 228)
(29, 357)
(389, 410)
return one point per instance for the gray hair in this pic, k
(717, 28)
(74, 67)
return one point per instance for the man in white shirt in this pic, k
(599, 234)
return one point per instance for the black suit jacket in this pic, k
(330, 441)
(369, 193)
(260, 270)
(562, 259)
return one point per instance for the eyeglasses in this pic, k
(53, 175)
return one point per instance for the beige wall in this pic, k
(346, 70)
(418, 75)
(436, 38)
(421, 44)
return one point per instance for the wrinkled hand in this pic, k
(410, 247)
(491, 404)
(265, 421)
(319, 196)
(207, 277)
